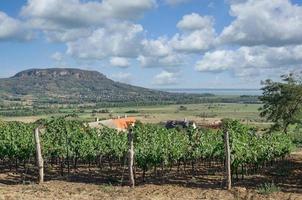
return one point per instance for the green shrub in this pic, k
(268, 188)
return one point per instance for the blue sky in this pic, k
(156, 43)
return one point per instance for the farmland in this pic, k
(168, 160)
(158, 113)
(164, 175)
(151, 99)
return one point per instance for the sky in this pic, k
(156, 43)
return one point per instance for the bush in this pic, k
(268, 188)
(132, 111)
(182, 108)
(296, 135)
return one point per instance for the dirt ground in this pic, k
(77, 191)
(80, 191)
(202, 187)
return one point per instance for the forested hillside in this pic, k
(59, 85)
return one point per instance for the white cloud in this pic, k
(166, 78)
(195, 22)
(13, 29)
(122, 77)
(265, 32)
(170, 61)
(114, 40)
(216, 61)
(198, 34)
(68, 20)
(176, 2)
(252, 61)
(159, 53)
(194, 42)
(266, 22)
(57, 56)
(235, 1)
(159, 47)
(93, 30)
(67, 35)
(56, 14)
(128, 9)
(119, 62)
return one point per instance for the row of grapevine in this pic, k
(70, 140)
(16, 142)
(249, 148)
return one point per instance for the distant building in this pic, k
(120, 124)
(184, 124)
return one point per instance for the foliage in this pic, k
(132, 111)
(16, 140)
(249, 147)
(182, 108)
(268, 188)
(154, 145)
(295, 133)
(283, 101)
(70, 138)
(62, 137)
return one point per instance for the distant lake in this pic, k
(236, 92)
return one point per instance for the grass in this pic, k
(107, 188)
(196, 112)
(154, 114)
(268, 188)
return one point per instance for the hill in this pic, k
(58, 85)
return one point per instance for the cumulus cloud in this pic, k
(262, 36)
(114, 40)
(119, 62)
(122, 77)
(57, 56)
(173, 60)
(176, 2)
(79, 18)
(198, 34)
(13, 29)
(195, 22)
(76, 13)
(249, 61)
(98, 30)
(166, 78)
(194, 42)
(67, 35)
(128, 9)
(267, 22)
(159, 53)
(101, 29)
(235, 1)
(158, 47)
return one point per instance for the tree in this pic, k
(282, 101)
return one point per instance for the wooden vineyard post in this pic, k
(228, 160)
(39, 157)
(131, 158)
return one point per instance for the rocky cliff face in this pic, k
(58, 72)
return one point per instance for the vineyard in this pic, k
(68, 145)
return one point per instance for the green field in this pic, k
(207, 112)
